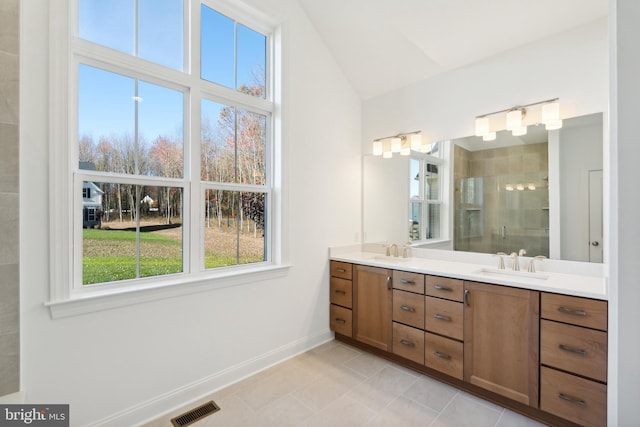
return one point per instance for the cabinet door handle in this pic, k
(442, 317)
(338, 291)
(341, 321)
(341, 270)
(407, 343)
(407, 308)
(389, 282)
(466, 296)
(572, 399)
(443, 288)
(407, 282)
(572, 311)
(442, 355)
(579, 351)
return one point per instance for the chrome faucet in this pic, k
(395, 249)
(515, 266)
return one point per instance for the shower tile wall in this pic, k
(9, 131)
(523, 213)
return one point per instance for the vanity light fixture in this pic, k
(549, 116)
(401, 143)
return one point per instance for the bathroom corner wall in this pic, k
(9, 237)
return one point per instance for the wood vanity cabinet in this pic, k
(501, 336)
(372, 306)
(341, 298)
(573, 346)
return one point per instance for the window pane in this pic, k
(415, 222)
(130, 231)
(251, 62)
(109, 23)
(251, 128)
(234, 228)
(161, 32)
(431, 182)
(232, 144)
(217, 48)
(108, 103)
(414, 179)
(433, 222)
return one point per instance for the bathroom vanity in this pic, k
(532, 342)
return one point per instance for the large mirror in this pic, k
(541, 192)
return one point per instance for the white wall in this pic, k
(624, 226)
(572, 66)
(108, 362)
(580, 150)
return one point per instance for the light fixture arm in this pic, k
(518, 107)
(400, 135)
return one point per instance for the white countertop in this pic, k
(588, 286)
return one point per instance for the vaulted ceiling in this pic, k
(382, 45)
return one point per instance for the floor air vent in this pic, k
(195, 414)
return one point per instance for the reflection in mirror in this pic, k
(541, 192)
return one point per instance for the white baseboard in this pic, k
(178, 398)
(13, 398)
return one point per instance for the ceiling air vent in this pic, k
(195, 414)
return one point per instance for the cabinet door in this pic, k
(501, 336)
(372, 306)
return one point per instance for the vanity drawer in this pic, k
(575, 310)
(340, 269)
(579, 400)
(408, 308)
(443, 287)
(411, 282)
(444, 317)
(574, 349)
(340, 291)
(341, 320)
(408, 342)
(443, 354)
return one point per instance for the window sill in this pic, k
(113, 298)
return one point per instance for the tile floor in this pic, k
(336, 385)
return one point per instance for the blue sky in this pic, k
(106, 100)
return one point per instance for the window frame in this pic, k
(67, 294)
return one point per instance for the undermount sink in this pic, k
(512, 273)
(390, 258)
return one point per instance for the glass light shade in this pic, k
(396, 145)
(520, 187)
(377, 148)
(405, 147)
(489, 136)
(416, 142)
(508, 187)
(482, 126)
(514, 119)
(553, 125)
(519, 131)
(550, 112)
(531, 187)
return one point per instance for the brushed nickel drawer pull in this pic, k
(442, 355)
(341, 321)
(338, 291)
(443, 288)
(407, 282)
(572, 311)
(407, 308)
(389, 282)
(407, 343)
(341, 270)
(442, 317)
(579, 351)
(572, 399)
(466, 296)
